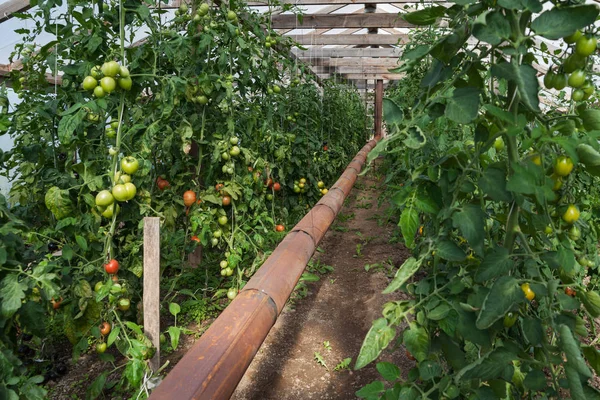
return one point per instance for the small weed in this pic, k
(327, 345)
(345, 217)
(344, 364)
(340, 228)
(332, 281)
(320, 360)
(366, 206)
(358, 250)
(316, 266)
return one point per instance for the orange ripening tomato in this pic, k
(189, 198)
(195, 239)
(280, 228)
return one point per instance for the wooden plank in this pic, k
(355, 62)
(12, 6)
(328, 2)
(388, 77)
(378, 108)
(392, 52)
(151, 292)
(331, 21)
(372, 40)
(351, 70)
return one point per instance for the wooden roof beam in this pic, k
(392, 52)
(332, 21)
(10, 7)
(329, 2)
(320, 40)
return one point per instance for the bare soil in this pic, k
(339, 309)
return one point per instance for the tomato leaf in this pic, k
(377, 339)
(497, 262)
(570, 346)
(489, 366)
(448, 250)
(463, 106)
(388, 371)
(58, 202)
(114, 333)
(417, 342)
(525, 76)
(174, 333)
(470, 220)
(564, 21)
(427, 16)
(371, 390)
(533, 330)
(12, 291)
(404, 273)
(591, 119)
(492, 27)
(409, 223)
(592, 356)
(503, 295)
(95, 390)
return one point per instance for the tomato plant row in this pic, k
(497, 196)
(206, 123)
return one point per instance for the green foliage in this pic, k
(475, 188)
(208, 103)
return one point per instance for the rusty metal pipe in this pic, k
(213, 367)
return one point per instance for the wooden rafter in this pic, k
(348, 39)
(393, 52)
(332, 21)
(10, 7)
(327, 2)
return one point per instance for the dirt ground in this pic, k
(339, 309)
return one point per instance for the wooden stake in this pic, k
(152, 286)
(378, 107)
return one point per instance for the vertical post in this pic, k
(152, 286)
(378, 107)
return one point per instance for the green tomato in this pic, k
(96, 72)
(129, 165)
(510, 319)
(573, 38)
(110, 133)
(112, 151)
(223, 220)
(109, 212)
(104, 198)
(231, 293)
(223, 264)
(560, 81)
(586, 46)
(235, 151)
(269, 197)
(99, 92)
(131, 190)
(98, 286)
(549, 80)
(577, 95)
(588, 89)
(218, 233)
(100, 348)
(563, 166)
(229, 170)
(574, 233)
(225, 157)
(573, 62)
(124, 304)
(203, 9)
(110, 68)
(108, 84)
(499, 144)
(123, 71)
(89, 83)
(231, 15)
(125, 83)
(228, 271)
(276, 89)
(125, 178)
(577, 79)
(214, 241)
(203, 100)
(120, 193)
(233, 140)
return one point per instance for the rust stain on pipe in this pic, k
(213, 367)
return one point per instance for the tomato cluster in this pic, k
(110, 75)
(573, 69)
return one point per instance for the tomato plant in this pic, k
(200, 104)
(500, 301)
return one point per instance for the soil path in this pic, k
(339, 309)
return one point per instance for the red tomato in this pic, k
(269, 182)
(195, 239)
(325, 148)
(189, 198)
(219, 186)
(162, 183)
(280, 228)
(276, 187)
(226, 200)
(56, 303)
(112, 267)
(105, 328)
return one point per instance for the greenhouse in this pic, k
(299, 199)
